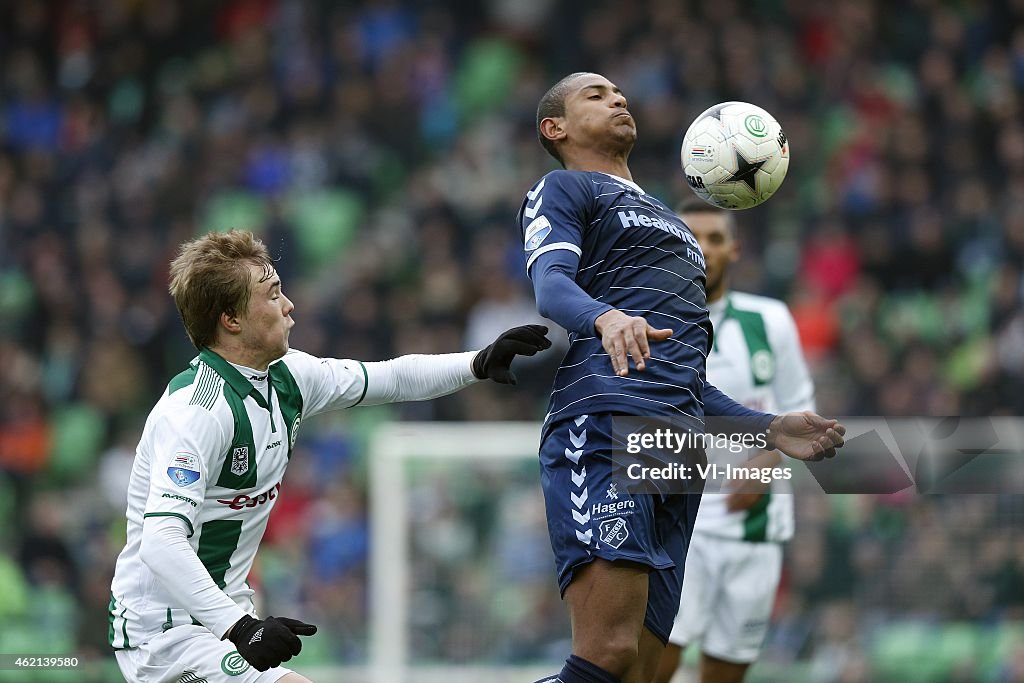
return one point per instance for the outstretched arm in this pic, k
(421, 377)
(802, 435)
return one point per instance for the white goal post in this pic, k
(392, 447)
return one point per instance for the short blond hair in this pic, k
(211, 276)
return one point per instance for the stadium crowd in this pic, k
(382, 149)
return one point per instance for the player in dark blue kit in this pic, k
(621, 272)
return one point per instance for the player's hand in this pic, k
(495, 361)
(805, 435)
(624, 336)
(266, 643)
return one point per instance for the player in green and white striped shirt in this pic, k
(213, 453)
(734, 560)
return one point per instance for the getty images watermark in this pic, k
(682, 462)
(881, 455)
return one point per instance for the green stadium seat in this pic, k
(235, 209)
(78, 433)
(324, 223)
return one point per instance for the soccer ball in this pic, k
(735, 155)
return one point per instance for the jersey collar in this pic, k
(630, 183)
(234, 379)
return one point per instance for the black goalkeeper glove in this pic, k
(268, 642)
(494, 361)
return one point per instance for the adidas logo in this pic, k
(257, 637)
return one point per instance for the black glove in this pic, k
(494, 361)
(268, 642)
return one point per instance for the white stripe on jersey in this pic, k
(677, 341)
(599, 353)
(681, 277)
(655, 289)
(631, 396)
(629, 379)
(678, 365)
(567, 246)
(651, 246)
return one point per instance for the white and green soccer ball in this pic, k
(735, 155)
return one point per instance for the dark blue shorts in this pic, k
(589, 516)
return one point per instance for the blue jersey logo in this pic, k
(182, 477)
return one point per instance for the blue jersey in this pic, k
(636, 255)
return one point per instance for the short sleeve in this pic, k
(554, 215)
(326, 383)
(184, 444)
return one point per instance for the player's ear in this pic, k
(229, 321)
(553, 128)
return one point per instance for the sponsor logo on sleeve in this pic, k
(175, 496)
(537, 232)
(184, 469)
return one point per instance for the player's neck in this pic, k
(245, 357)
(717, 294)
(602, 162)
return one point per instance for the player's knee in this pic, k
(616, 652)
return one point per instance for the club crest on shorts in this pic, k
(614, 531)
(240, 460)
(233, 664)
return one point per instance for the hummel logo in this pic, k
(257, 637)
(613, 492)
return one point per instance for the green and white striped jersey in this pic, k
(757, 360)
(213, 453)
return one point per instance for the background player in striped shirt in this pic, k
(734, 560)
(212, 456)
(617, 268)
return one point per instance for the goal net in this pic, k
(461, 575)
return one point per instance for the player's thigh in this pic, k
(607, 601)
(294, 678)
(192, 653)
(742, 614)
(589, 514)
(701, 585)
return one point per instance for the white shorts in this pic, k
(728, 592)
(190, 654)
